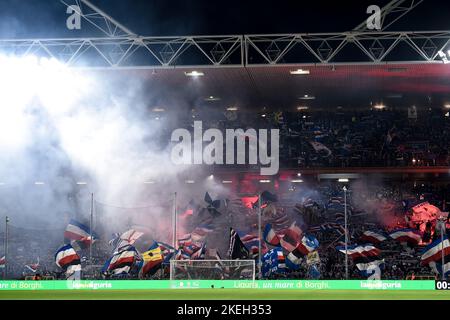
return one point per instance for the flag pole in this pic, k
(5, 273)
(346, 232)
(259, 236)
(90, 229)
(174, 221)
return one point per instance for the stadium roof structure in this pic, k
(288, 70)
(258, 87)
(353, 47)
(119, 47)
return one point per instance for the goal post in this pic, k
(212, 270)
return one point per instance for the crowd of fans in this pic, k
(388, 213)
(310, 207)
(307, 139)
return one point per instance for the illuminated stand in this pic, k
(119, 48)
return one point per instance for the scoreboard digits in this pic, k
(442, 285)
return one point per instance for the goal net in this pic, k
(212, 269)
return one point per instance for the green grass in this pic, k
(227, 294)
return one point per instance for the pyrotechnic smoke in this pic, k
(378, 201)
(59, 126)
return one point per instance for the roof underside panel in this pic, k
(276, 87)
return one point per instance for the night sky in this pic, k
(46, 18)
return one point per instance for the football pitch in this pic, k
(225, 294)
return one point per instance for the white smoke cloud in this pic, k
(59, 126)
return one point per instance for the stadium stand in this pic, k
(315, 213)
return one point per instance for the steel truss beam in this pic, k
(133, 51)
(236, 50)
(347, 47)
(99, 19)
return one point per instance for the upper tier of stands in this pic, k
(372, 138)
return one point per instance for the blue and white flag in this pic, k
(406, 235)
(273, 262)
(433, 251)
(308, 244)
(251, 242)
(372, 237)
(314, 272)
(121, 262)
(371, 270)
(79, 235)
(67, 259)
(270, 235)
(125, 239)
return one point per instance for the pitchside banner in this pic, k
(225, 284)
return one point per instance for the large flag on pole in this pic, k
(251, 242)
(131, 236)
(367, 259)
(121, 262)
(66, 256)
(67, 259)
(151, 261)
(78, 234)
(273, 262)
(372, 237)
(270, 236)
(237, 249)
(433, 251)
(291, 238)
(191, 252)
(307, 245)
(125, 239)
(406, 235)
(371, 270)
(361, 253)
